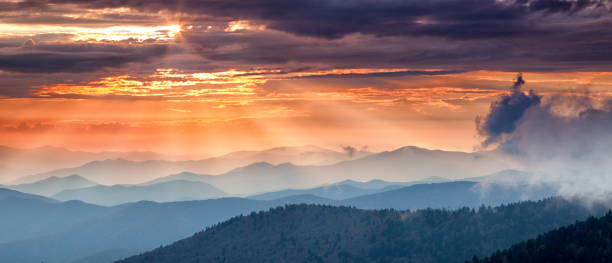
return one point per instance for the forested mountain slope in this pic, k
(588, 241)
(313, 233)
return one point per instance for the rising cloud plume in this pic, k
(506, 112)
(563, 140)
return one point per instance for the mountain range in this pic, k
(586, 241)
(38, 229)
(334, 191)
(401, 165)
(176, 190)
(125, 171)
(53, 185)
(16, 162)
(314, 233)
(450, 195)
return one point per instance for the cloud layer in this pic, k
(506, 113)
(563, 140)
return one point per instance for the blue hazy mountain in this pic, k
(405, 166)
(53, 185)
(263, 177)
(413, 163)
(305, 199)
(126, 171)
(346, 189)
(334, 191)
(38, 229)
(254, 178)
(418, 196)
(183, 176)
(91, 230)
(313, 233)
(176, 190)
(402, 165)
(380, 184)
(26, 216)
(17, 162)
(8, 195)
(450, 195)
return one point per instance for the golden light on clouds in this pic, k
(182, 75)
(173, 83)
(114, 33)
(211, 112)
(238, 25)
(164, 82)
(118, 33)
(90, 24)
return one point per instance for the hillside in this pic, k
(170, 191)
(111, 171)
(36, 228)
(60, 232)
(18, 162)
(449, 195)
(27, 216)
(314, 233)
(588, 241)
(254, 175)
(53, 185)
(334, 191)
(341, 190)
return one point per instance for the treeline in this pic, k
(313, 233)
(588, 241)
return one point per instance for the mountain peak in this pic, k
(70, 178)
(258, 165)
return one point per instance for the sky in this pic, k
(207, 77)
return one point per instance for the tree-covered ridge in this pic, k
(587, 241)
(314, 233)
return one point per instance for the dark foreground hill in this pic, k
(36, 229)
(588, 241)
(314, 233)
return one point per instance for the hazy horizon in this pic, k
(195, 131)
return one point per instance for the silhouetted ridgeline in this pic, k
(588, 241)
(35, 228)
(314, 233)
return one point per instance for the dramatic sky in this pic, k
(203, 77)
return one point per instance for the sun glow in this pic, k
(242, 25)
(168, 82)
(119, 33)
(164, 82)
(114, 33)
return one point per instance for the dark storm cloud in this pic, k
(76, 58)
(579, 49)
(510, 35)
(566, 6)
(451, 35)
(273, 47)
(505, 113)
(465, 19)
(23, 5)
(565, 141)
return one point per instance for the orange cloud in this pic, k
(217, 112)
